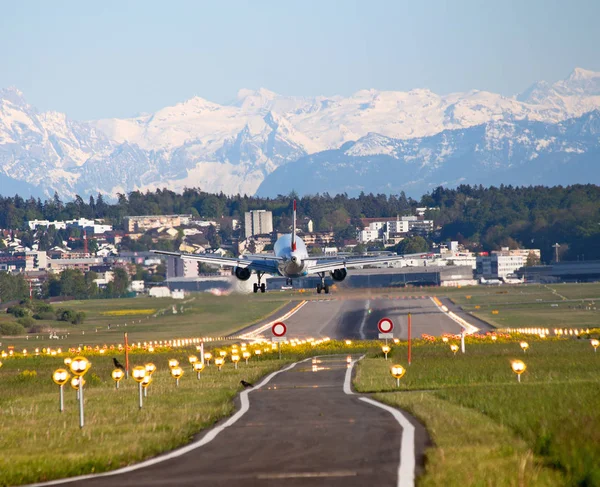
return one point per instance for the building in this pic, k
(258, 222)
(498, 266)
(83, 223)
(26, 261)
(318, 238)
(177, 267)
(148, 222)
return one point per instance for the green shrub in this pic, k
(18, 311)
(26, 321)
(36, 328)
(45, 315)
(11, 329)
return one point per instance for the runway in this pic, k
(358, 318)
(300, 429)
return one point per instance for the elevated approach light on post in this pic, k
(145, 383)
(60, 377)
(67, 361)
(385, 349)
(198, 367)
(219, 361)
(518, 368)
(595, 343)
(77, 382)
(397, 372)
(524, 346)
(176, 372)
(79, 366)
(235, 358)
(138, 373)
(223, 354)
(150, 368)
(173, 363)
(454, 348)
(246, 355)
(192, 359)
(348, 342)
(257, 353)
(117, 375)
(207, 357)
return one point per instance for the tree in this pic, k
(120, 282)
(359, 249)
(412, 245)
(532, 259)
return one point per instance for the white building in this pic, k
(497, 266)
(177, 267)
(258, 222)
(159, 292)
(137, 286)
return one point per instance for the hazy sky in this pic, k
(118, 58)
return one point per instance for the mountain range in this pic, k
(269, 144)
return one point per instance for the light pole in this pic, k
(176, 372)
(60, 377)
(192, 359)
(595, 343)
(145, 383)
(207, 357)
(246, 356)
(198, 367)
(219, 362)
(385, 349)
(138, 373)
(397, 372)
(79, 366)
(117, 375)
(518, 368)
(235, 358)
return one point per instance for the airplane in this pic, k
(290, 260)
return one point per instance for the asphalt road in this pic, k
(301, 429)
(358, 318)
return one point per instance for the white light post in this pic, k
(518, 368)
(79, 366)
(138, 373)
(397, 372)
(60, 377)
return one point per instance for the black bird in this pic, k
(246, 384)
(118, 364)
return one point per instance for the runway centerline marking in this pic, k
(406, 468)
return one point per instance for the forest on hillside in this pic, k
(480, 218)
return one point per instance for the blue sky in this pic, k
(119, 58)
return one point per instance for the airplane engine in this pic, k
(243, 273)
(339, 274)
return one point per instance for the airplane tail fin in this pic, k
(294, 227)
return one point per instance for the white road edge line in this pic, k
(465, 325)
(406, 468)
(254, 333)
(207, 438)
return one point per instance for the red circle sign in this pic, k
(279, 329)
(385, 325)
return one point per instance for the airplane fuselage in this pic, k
(294, 262)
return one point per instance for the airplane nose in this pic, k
(294, 259)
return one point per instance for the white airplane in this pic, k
(290, 260)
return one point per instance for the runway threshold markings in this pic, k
(406, 468)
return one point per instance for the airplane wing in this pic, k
(331, 265)
(267, 264)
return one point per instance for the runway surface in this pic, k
(301, 429)
(358, 318)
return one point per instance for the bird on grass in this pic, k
(118, 364)
(246, 384)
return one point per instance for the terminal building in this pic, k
(569, 271)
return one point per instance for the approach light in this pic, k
(192, 359)
(198, 367)
(385, 349)
(60, 376)
(173, 362)
(397, 372)
(117, 375)
(595, 343)
(518, 368)
(445, 339)
(235, 358)
(176, 372)
(454, 348)
(246, 356)
(207, 357)
(219, 361)
(524, 346)
(77, 382)
(138, 373)
(150, 368)
(79, 366)
(348, 342)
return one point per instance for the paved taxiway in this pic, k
(301, 429)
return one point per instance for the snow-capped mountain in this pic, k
(235, 146)
(511, 152)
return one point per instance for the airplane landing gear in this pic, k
(259, 285)
(322, 286)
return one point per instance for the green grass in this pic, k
(554, 411)
(203, 315)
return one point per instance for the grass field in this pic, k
(151, 319)
(490, 430)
